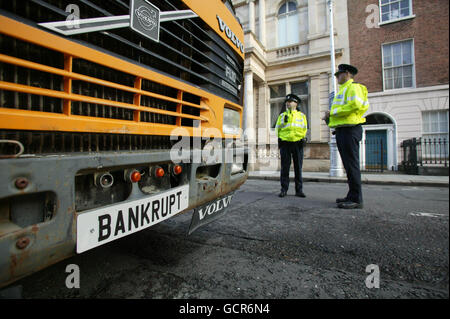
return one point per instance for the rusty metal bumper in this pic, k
(25, 250)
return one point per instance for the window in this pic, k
(301, 90)
(398, 65)
(435, 128)
(288, 26)
(435, 124)
(395, 9)
(277, 96)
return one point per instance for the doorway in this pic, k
(376, 149)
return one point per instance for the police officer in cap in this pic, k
(346, 117)
(291, 130)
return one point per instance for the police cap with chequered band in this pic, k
(346, 68)
(293, 97)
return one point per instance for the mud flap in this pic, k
(209, 212)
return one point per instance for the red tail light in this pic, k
(177, 169)
(135, 177)
(159, 172)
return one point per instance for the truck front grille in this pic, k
(39, 82)
(188, 49)
(47, 143)
(45, 57)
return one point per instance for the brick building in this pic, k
(401, 49)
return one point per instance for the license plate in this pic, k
(209, 212)
(101, 226)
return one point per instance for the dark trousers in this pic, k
(289, 151)
(347, 139)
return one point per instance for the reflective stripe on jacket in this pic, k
(349, 105)
(291, 126)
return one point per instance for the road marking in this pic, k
(421, 214)
(410, 188)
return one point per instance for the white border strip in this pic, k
(176, 15)
(116, 22)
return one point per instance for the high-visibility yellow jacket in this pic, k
(291, 126)
(349, 105)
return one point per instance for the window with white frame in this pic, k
(435, 124)
(434, 131)
(398, 65)
(392, 10)
(288, 24)
(278, 94)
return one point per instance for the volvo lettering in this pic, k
(230, 34)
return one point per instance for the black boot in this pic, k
(300, 194)
(350, 205)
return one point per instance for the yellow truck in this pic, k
(109, 113)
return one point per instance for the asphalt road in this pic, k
(267, 247)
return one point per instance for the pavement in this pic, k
(367, 178)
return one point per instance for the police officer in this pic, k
(291, 130)
(345, 116)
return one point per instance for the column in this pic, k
(390, 148)
(262, 22)
(249, 131)
(260, 130)
(263, 135)
(248, 101)
(315, 124)
(251, 15)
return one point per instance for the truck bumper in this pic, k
(38, 211)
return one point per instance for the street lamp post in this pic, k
(335, 160)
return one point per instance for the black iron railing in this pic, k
(420, 152)
(433, 151)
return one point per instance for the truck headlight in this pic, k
(238, 161)
(237, 168)
(231, 121)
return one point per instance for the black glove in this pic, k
(303, 141)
